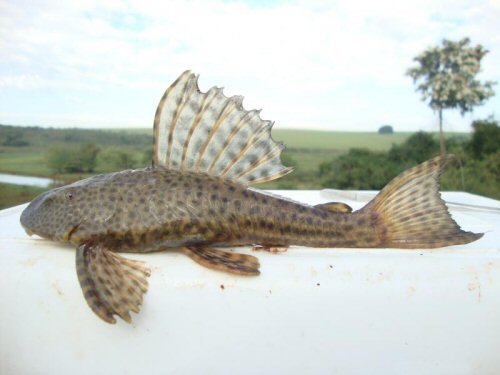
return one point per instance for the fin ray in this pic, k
(337, 207)
(239, 264)
(110, 283)
(410, 213)
(211, 133)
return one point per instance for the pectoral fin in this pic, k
(335, 207)
(239, 264)
(110, 283)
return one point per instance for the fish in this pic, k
(196, 197)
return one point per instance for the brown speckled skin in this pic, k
(152, 209)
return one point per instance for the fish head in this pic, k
(54, 214)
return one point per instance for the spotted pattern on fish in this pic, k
(110, 283)
(207, 149)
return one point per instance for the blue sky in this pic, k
(334, 65)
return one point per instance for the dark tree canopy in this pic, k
(386, 129)
(485, 139)
(417, 148)
(69, 160)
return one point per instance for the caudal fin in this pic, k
(411, 212)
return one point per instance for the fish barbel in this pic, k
(195, 197)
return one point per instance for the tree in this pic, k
(86, 157)
(386, 129)
(147, 156)
(68, 160)
(416, 149)
(58, 159)
(358, 169)
(119, 159)
(12, 137)
(486, 138)
(446, 76)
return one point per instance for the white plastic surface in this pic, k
(311, 311)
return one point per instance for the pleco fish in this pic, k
(195, 196)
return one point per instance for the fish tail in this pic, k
(410, 213)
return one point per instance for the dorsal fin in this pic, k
(211, 133)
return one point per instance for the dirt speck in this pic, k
(222, 286)
(475, 286)
(56, 286)
(318, 284)
(31, 261)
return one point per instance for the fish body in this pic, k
(196, 195)
(152, 209)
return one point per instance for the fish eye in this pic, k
(70, 195)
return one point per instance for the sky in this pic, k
(313, 64)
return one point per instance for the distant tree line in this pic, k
(13, 138)
(69, 160)
(85, 159)
(478, 170)
(36, 136)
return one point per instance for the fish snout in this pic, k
(28, 216)
(36, 218)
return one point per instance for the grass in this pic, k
(23, 161)
(12, 195)
(338, 141)
(319, 139)
(306, 150)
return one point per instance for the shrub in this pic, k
(417, 148)
(358, 169)
(118, 159)
(66, 160)
(486, 138)
(386, 129)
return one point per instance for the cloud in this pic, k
(320, 64)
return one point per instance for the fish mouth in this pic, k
(28, 231)
(68, 234)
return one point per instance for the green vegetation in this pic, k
(486, 139)
(358, 169)
(12, 195)
(67, 160)
(337, 141)
(446, 77)
(24, 161)
(312, 165)
(386, 129)
(477, 169)
(321, 159)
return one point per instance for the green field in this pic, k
(337, 141)
(24, 161)
(321, 139)
(306, 150)
(12, 195)
(307, 147)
